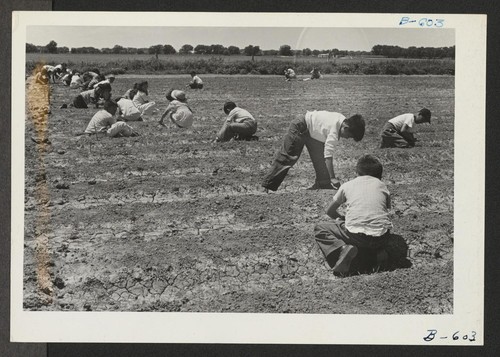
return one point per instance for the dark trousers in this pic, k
(293, 144)
(333, 235)
(79, 102)
(195, 86)
(391, 138)
(240, 130)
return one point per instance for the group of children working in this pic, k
(366, 224)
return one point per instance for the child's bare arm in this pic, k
(331, 211)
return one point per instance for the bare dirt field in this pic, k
(169, 221)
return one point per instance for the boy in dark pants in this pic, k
(239, 124)
(318, 131)
(366, 223)
(398, 131)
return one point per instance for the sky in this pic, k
(362, 39)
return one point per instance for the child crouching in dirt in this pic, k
(104, 122)
(318, 131)
(239, 124)
(398, 131)
(91, 96)
(366, 223)
(178, 111)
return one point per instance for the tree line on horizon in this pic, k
(251, 50)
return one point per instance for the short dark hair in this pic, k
(228, 106)
(369, 165)
(192, 73)
(426, 114)
(169, 95)
(110, 105)
(356, 126)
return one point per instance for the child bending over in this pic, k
(239, 124)
(196, 82)
(398, 131)
(366, 223)
(318, 131)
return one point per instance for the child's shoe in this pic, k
(347, 253)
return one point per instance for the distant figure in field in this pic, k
(91, 96)
(127, 111)
(178, 111)
(290, 74)
(141, 99)
(76, 81)
(91, 78)
(41, 77)
(109, 79)
(60, 70)
(131, 92)
(315, 74)
(104, 122)
(52, 72)
(319, 131)
(239, 124)
(196, 82)
(366, 224)
(398, 131)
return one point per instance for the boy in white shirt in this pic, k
(319, 131)
(196, 82)
(127, 111)
(398, 131)
(366, 223)
(290, 74)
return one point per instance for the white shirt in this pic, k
(140, 98)
(325, 127)
(76, 81)
(128, 110)
(180, 113)
(196, 80)
(239, 115)
(367, 202)
(100, 122)
(401, 120)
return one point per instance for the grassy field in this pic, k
(169, 221)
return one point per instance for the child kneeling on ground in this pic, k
(178, 111)
(366, 223)
(104, 122)
(239, 124)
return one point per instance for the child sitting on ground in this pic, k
(131, 92)
(42, 77)
(366, 223)
(141, 99)
(319, 131)
(178, 111)
(315, 74)
(398, 131)
(127, 111)
(76, 81)
(196, 82)
(104, 122)
(239, 124)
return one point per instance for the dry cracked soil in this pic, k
(170, 221)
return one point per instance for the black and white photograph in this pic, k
(261, 178)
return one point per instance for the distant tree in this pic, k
(51, 47)
(117, 49)
(201, 49)
(131, 50)
(315, 52)
(251, 51)
(217, 49)
(169, 50)
(306, 52)
(270, 52)
(31, 48)
(63, 49)
(226, 52)
(285, 50)
(233, 50)
(155, 50)
(185, 49)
